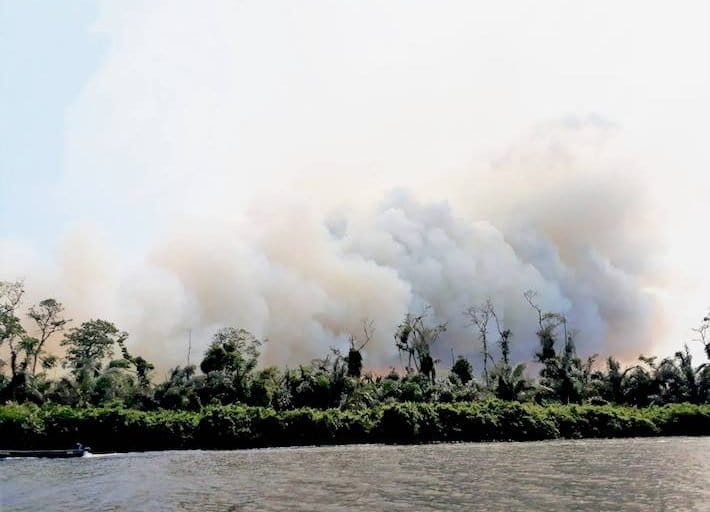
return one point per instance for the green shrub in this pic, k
(237, 426)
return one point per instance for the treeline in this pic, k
(238, 426)
(101, 372)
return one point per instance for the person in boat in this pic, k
(82, 448)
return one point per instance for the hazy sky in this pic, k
(125, 126)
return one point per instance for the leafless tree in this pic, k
(547, 325)
(703, 331)
(504, 336)
(479, 317)
(415, 338)
(354, 358)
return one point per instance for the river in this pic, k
(663, 474)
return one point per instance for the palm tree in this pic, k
(615, 380)
(680, 381)
(115, 384)
(510, 382)
(641, 383)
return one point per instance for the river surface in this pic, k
(663, 474)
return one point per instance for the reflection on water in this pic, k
(662, 474)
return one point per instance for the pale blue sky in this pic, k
(47, 54)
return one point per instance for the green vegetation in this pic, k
(237, 426)
(108, 398)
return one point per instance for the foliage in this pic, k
(463, 370)
(239, 426)
(231, 402)
(228, 364)
(89, 345)
(12, 333)
(354, 357)
(414, 337)
(49, 320)
(510, 382)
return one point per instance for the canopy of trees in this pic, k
(96, 367)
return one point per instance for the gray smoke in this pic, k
(552, 217)
(293, 170)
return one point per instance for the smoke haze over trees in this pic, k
(328, 177)
(99, 369)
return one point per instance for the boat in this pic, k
(48, 454)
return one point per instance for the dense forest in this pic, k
(100, 374)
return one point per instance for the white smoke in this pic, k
(294, 170)
(305, 278)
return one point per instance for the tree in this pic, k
(115, 384)
(547, 325)
(680, 381)
(179, 390)
(479, 317)
(143, 371)
(354, 358)
(49, 319)
(232, 350)
(233, 353)
(89, 345)
(504, 337)
(11, 330)
(563, 374)
(463, 370)
(415, 338)
(322, 384)
(265, 386)
(614, 381)
(510, 383)
(704, 337)
(65, 391)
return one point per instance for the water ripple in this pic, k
(664, 474)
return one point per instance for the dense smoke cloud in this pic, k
(278, 170)
(550, 217)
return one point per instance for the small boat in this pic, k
(48, 454)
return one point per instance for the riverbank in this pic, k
(230, 427)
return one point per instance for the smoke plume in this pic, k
(551, 216)
(278, 170)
